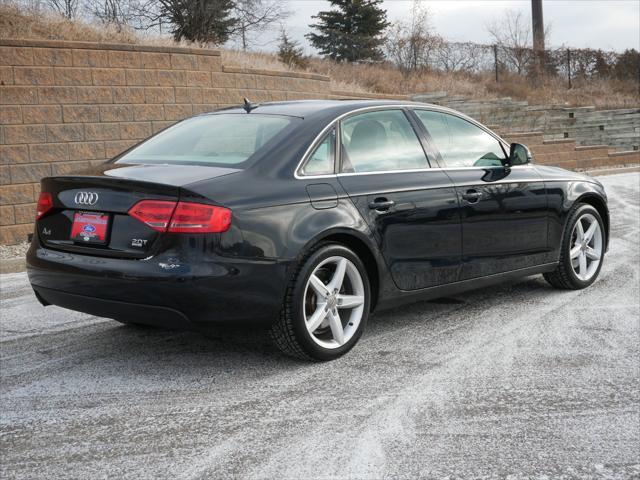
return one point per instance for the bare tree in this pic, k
(455, 57)
(32, 6)
(205, 21)
(512, 34)
(119, 13)
(410, 43)
(255, 16)
(66, 8)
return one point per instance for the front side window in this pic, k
(461, 143)
(380, 141)
(219, 140)
(321, 161)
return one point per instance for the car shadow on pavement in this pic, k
(423, 311)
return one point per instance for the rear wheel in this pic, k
(582, 250)
(326, 306)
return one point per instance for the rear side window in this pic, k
(461, 143)
(220, 139)
(380, 141)
(322, 160)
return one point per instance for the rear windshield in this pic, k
(221, 140)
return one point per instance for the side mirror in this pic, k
(519, 154)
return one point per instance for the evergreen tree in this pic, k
(601, 66)
(351, 31)
(199, 20)
(290, 53)
(627, 66)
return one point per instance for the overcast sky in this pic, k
(606, 24)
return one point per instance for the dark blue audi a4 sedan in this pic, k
(305, 217)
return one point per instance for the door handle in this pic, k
(381, 204)
(472, 196)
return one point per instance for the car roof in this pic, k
(311, 108)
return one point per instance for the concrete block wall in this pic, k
(566, 154)
(619, 128)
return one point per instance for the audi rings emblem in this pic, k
(86, 198)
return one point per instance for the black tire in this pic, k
(289, 332)
(564, 277)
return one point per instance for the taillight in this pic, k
(155, 213)
(199, 218)
(182, 217)
(45, 203)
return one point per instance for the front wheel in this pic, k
(326, 306)
(582, 250)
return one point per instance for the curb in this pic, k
(613, 171)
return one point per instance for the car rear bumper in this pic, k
(124, 311)
(162, 291)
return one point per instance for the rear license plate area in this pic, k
(90, 228)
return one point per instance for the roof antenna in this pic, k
(248, 106)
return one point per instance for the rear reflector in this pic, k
(45, 203)
(182, 217)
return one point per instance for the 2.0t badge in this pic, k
(86, 198)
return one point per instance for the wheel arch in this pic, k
(361, 247)
(600, 205)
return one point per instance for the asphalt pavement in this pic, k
(518, 380)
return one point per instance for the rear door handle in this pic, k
(381, 204)
(471, 196)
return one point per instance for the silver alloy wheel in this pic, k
(333, 302)
(586, 247)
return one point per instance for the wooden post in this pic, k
(538, 37)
